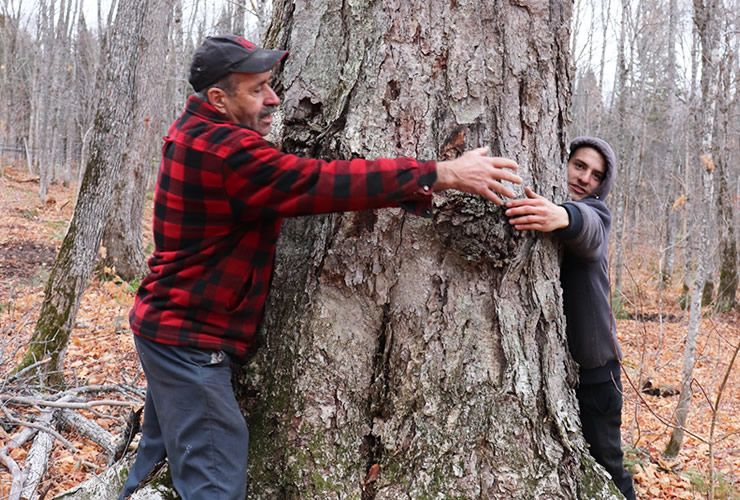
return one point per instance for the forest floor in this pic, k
(651, 327)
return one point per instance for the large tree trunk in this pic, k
(74, 262)
(403, 357)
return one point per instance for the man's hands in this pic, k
(537, 213)
(476, 173)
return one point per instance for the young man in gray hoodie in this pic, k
(582, 226)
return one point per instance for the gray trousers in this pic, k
(191, 417)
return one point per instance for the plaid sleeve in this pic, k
(262, 178)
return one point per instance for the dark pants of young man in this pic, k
(601, 418)
(191, 417)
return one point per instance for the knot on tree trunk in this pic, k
(474, 228)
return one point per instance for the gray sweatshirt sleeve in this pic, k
(588, 232)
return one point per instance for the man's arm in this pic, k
(476, 173)
(584, 224)
(536, 213)
(264, 178)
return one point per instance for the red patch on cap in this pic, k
(245, 43)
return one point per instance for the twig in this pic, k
(40, 427)
(715, 413)
(17, 485)
(20, 374)
(652, 412)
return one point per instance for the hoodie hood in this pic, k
(610, 161)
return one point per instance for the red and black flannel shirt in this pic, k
(220, 199)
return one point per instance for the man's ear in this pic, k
(216, 97)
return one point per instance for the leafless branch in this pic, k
(15, 471)
(63, 404)
(40, 427)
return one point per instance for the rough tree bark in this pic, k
(122, 234)
(74, 262)
(403, 357)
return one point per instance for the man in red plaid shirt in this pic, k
(221, 195)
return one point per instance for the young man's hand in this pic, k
(536, 213)
(475, 172)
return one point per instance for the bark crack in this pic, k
(378, 403)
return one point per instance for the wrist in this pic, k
(445, 176)
(563, 219)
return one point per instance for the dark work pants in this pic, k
(191, 417)
(601, 418)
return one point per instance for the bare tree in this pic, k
(666, 262)
(624, 142)
(74, 262)
(15, 61)
(706, 17)
(122, 233)
(728, 263)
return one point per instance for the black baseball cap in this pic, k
(220, 55)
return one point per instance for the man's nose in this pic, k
(272, 98)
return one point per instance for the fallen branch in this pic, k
(122, 388)
(20, 439)
(133, 425)
(88, 429)
(15, 442)
(37, 459)
(41, 427)
(20, 400)
(17, 482)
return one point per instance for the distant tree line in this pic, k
(672, 111)
(659, 79)
(50, 56)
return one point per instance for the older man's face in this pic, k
(252, 102)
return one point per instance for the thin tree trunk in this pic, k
(74, 262)
(672, 157)
(706, 19)
(625, 145)
(122, 236)
(728, 275)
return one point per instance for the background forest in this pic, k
(659, 80)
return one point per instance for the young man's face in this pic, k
(586, 170)
(252, 101)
